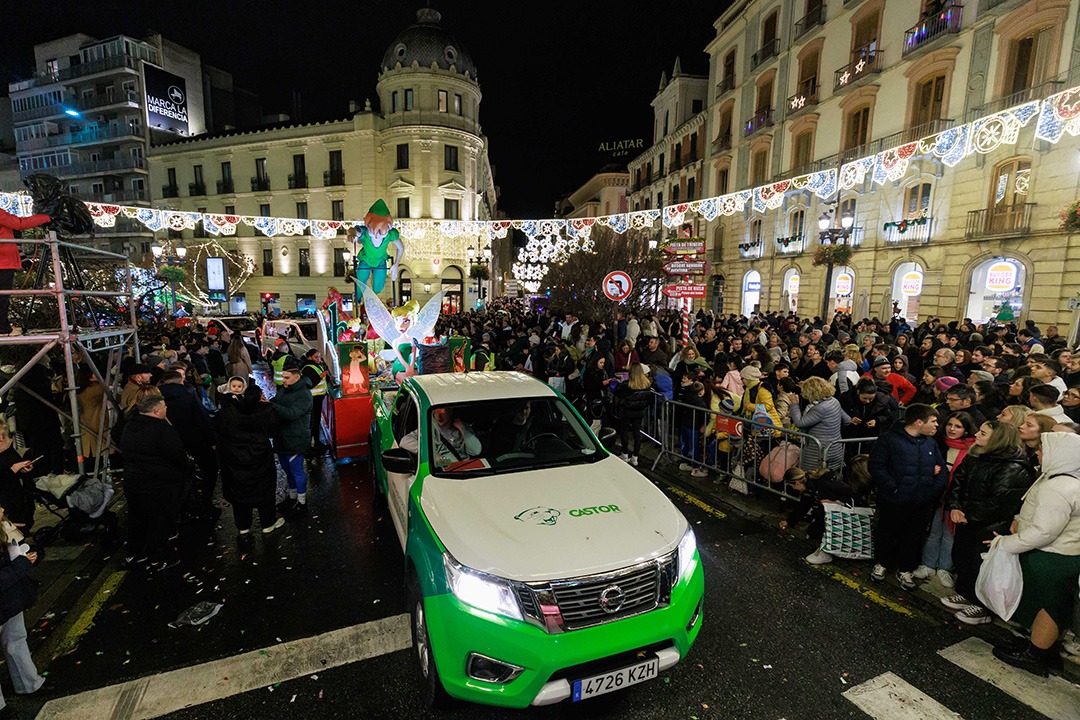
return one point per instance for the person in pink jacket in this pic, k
(9, 257)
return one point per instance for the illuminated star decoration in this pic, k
(845, 77)
(859, 66)
(797, 102)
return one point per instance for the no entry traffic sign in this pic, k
(617, 285)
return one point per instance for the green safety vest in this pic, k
(279, 370)
(319, 389)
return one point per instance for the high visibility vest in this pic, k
(319, 389)
(279, 370)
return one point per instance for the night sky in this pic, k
(558, 78)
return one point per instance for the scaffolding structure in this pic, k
(92, 327)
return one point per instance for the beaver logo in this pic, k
(539, 515)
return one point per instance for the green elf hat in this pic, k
(378, 209)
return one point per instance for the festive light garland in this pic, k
(556, 239)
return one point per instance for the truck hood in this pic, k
(554, 523)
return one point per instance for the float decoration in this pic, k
(407, 325)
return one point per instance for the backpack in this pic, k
(779, 460)
(760, 414)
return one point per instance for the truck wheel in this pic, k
(434, 694)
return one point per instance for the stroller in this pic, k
(81, 505)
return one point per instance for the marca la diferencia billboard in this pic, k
(166, 100)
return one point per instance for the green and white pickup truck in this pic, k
(539, 566)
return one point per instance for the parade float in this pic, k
(378, 346)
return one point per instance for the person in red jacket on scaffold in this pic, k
(10, 260)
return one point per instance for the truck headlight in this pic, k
(483, 592)
(687, 548)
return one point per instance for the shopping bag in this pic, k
(849, 532)
(557, 383)
(738, 481)
(1001, 581)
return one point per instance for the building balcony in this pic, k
(427, 117)
(865, 61)
(988, 5)
(751, 250)
(298, 181)
(170, 191)
(676, 163)
(129, 97)
(909, 232)
(121, 62)
(793, 245)
(55, 110)
(942, 23)
(769, 49)
(726, 85)
(119, 196)
(812, 19)
(333, 179)
(85, 137)
(1036, 92)
(226, 187)
(95, 167)
(260, 184)
(809, 168)
(1000, 221)
(761, 119)
(196, 189)
(806, 97)
(721, 144)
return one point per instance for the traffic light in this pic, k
(266, 298)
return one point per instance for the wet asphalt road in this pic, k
(779, 640)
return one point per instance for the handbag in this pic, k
(1000, 584)
(849, 532)
(779, 460)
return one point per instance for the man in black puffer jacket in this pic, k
(156, 477)
(909, 474)
(191, 419)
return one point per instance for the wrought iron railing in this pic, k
(1005, 220)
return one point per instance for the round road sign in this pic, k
(617, 285)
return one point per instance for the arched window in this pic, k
(792, 282)
(751, 292)
(906, 290)
(843, 290)
(453, 283)
(996, 290)
(1009, 187)
(405, 288)
(716, 288)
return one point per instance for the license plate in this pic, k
(616, 680)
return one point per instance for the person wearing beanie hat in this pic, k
(945, 382)
(979, 376)
(235, 385)
(750, 374)
(882, 371)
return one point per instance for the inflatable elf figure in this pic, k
(373, 242)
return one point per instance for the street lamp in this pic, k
(171, 255)
(832, 235)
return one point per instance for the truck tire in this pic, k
(432, 690)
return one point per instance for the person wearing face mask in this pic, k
(1046, 536)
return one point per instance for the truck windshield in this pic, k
(240, 324)
(490, 437)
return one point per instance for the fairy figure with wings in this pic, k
(405, 325)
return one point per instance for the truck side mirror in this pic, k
(399, 460)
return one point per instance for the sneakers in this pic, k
(956, 602)
(819, 558)
(974, 615)
(633, 460)
(923, 572)
(267, 530)
(946, 578)
(1034, 662)
(685, 467)
(624, 457)
(907, 580)
(878, 573)
(699, 472)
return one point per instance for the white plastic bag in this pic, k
(1001, 581)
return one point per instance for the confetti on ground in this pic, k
(293, 699)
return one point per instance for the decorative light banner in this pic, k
(556, 239)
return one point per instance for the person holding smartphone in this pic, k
(17, 593)
(16, 483)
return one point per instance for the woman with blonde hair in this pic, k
(821, 419)
(17, 593)
(634, 397)
(1014, 415)
(1032, 429)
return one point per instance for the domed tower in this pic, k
(432, 149)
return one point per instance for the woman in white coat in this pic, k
(1046, 535)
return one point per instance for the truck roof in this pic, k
(447, 388)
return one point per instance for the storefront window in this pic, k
(751, 292)
(997, 290)
(843, 289)
(906, 290)
(792, 282)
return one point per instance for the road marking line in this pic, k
(85, 619)
(695, 501)
(164, 693)
(890, 698)
(872, 595)
(1054, 697)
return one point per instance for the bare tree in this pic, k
(576, 284)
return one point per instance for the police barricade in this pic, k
(853, 446)
(742, 453)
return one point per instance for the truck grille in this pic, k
(580, 601)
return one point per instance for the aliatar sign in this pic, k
(685, 247)
(688, 290)
(684, 267)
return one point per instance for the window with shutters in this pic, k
(929, 101)
(759, 167)
(857, 131)
(917, 200)
(803, 151)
